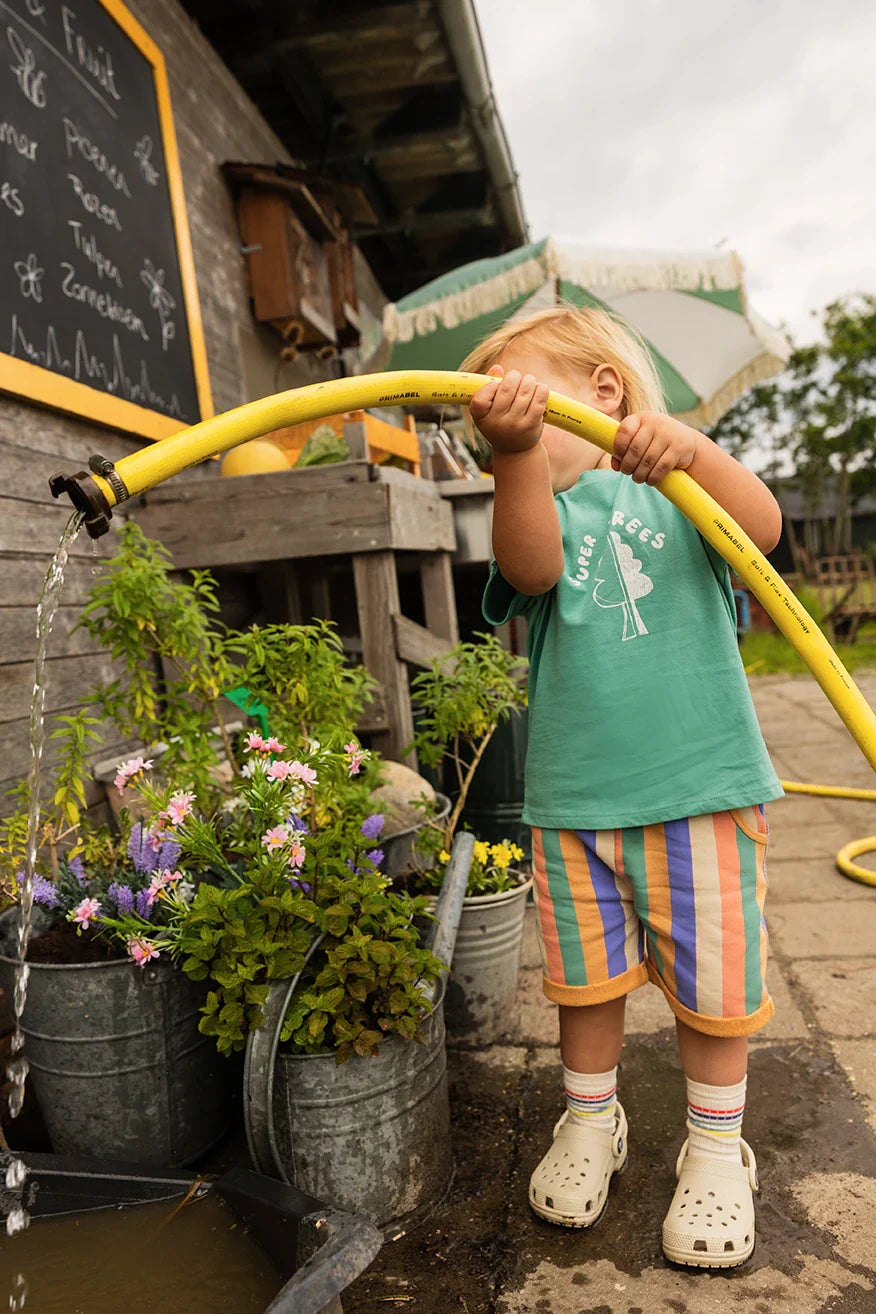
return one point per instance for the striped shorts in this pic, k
(679, 902)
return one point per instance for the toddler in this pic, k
(646, 773)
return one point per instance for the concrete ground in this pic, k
(811, 1107)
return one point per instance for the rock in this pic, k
(413, 785)
(397, 808)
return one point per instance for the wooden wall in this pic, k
(214, 122)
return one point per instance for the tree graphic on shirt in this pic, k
(621, 582)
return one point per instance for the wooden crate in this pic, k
(368, 437)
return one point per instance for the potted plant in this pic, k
(461, 700)
(277, 882)
(292, 905)
(117, 1061)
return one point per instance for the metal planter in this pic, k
(482, 989)
(118, 1064)
(371, 1135)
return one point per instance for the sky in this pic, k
(686, 124)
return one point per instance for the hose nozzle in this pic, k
(88, 497)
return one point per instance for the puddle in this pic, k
(140, 1258)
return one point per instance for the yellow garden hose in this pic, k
(108, 485)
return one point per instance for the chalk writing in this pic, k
(36, 9)
(10, 198)
(94, 205)
(29, 277)
(10, 136)
(97, 62)
(87, 244)
(143, 156)
(102, 302)
(76, 141)
(86, 366)
(160, 300)
(31, 80)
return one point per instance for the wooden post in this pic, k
(377, 601)
(439, 601)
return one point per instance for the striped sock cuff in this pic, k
(716, 1110)
(590, 1094)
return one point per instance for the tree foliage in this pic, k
(817, 420)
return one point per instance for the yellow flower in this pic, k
(501, 855)
(516, 853)
(443, 856)
(481, 852)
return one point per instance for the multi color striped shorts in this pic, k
(679, 902)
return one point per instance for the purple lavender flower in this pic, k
(375, 856)
(373, 825)
(122, 896)
(44, 891)
(304, 886)
(149, 856)
(357, 871)
(74, 866)
(143, 904)
(294, 822)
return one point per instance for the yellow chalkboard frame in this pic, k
(42, 385)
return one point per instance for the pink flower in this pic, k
(85, 912)
(160, 882)
(142, 951)
(179, 807)
(305, 774)
(275, 838)
(357, 756)
(130, 770)
(273, 745)
(297, 854)
(255, 743)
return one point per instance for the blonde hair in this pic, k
(579, 338)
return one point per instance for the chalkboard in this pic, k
(98, 303)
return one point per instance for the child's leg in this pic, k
(592, 1035)
(715, 1068)
(592, 952)
(713, 1060)
(702, 905)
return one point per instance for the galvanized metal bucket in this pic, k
(482, 989)
(117, 1062)
(371, 1135)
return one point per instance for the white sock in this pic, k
(591, 1097)
(714, 1120)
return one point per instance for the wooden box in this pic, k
(289, 277)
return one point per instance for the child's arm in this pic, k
(527, 542)
(649, 445)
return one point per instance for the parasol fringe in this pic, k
(763, 367)
(646, 273)
(468, 304)
(625, 273)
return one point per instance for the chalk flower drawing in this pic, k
(29, 276)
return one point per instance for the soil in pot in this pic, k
(61, 945)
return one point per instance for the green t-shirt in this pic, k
(639, 709)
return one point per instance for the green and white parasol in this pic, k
(691, 308)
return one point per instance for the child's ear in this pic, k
(608, 388)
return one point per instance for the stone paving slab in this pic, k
(811, 1111)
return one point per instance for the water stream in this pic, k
(14, 1170)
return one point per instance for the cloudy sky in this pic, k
(689, 123)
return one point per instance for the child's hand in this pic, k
(648, 445)
(510, 411)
